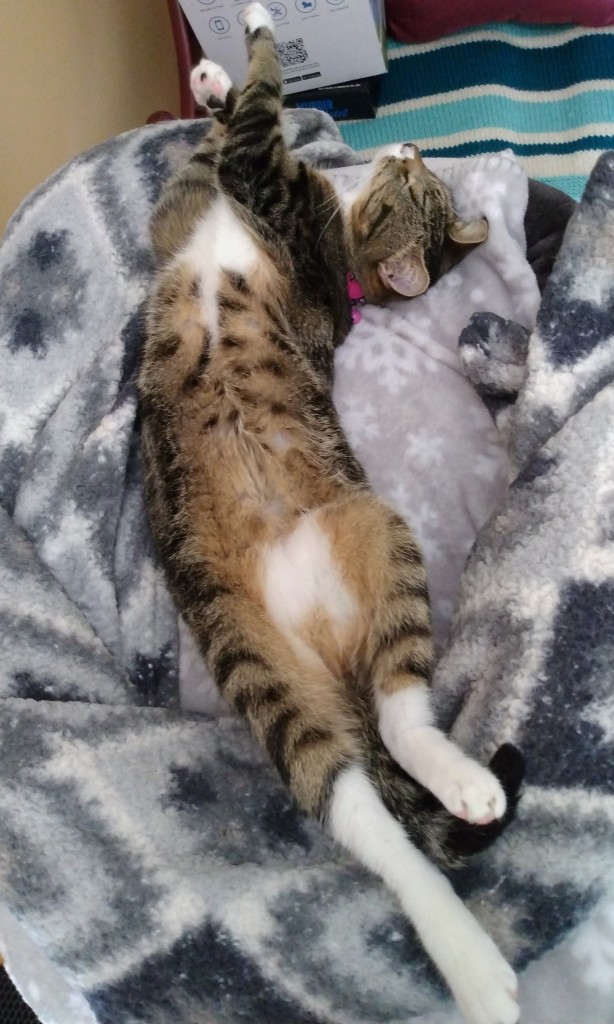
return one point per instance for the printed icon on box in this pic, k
(206, 3)
(305, 6)
(219, 25)
(277, 11)
(335, 2)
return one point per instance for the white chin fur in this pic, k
(401, 150)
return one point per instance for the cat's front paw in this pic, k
(257, 16)
(210, 85)
(472, 792)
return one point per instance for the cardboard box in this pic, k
(320, 42)
(344, 102)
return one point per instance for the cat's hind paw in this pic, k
(488, 993)
(473, 793)
(257, 16)
(210, 85)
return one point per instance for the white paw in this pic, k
(210, 85)
(256, 16)
(488, 991)
(470, 791)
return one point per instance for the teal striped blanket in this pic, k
(547, 92)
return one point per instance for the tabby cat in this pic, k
(307, 594)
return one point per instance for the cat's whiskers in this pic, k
(328, 222)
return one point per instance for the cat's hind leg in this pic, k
(481, 980)
(381, 558)
(467, 789)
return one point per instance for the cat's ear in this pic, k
(468, 232)
(405, 273)
(460, 236)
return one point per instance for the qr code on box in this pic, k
(292, 52)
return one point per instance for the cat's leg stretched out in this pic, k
(270, 670)
(187, 196)
(378, 625)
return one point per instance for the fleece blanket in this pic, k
(545, 90)
(152, 868)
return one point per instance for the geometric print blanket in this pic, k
(150, 860)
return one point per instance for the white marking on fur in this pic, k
(465, 787)
(401, 150)
(483, 983)
(256, 16)
(394, 149)
(220, 242)
(216, 82)
(300, 576)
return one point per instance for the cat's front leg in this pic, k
(210, 86)
(466, 788)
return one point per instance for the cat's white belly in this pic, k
(220, 243)
(301, 580)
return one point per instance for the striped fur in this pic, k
(242, 442)
(306, 594)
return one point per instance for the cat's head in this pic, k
(404, 231)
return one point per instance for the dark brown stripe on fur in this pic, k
(166, 346)
(413, 664)
(242, 370)
(168, 472)
(382, 216)
(272, 366)
(276, 740)
(194, 378)
(254, 700)
(230, 305)
(204, 158)
(238, 282)
(391, 637)
(228, 660)
(411, 588)
(229, 342)
(311, 736)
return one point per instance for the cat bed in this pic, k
(153, 870)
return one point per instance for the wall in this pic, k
(73, 73)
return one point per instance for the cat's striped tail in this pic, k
(446, 839)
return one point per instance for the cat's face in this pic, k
(404, 232)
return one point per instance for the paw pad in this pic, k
(210, 85)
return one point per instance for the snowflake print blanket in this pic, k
(152, 867)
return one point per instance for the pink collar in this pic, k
(357, 298)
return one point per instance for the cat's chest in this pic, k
(222, 248)
(221, 240)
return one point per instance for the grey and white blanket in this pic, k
(152, 868)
